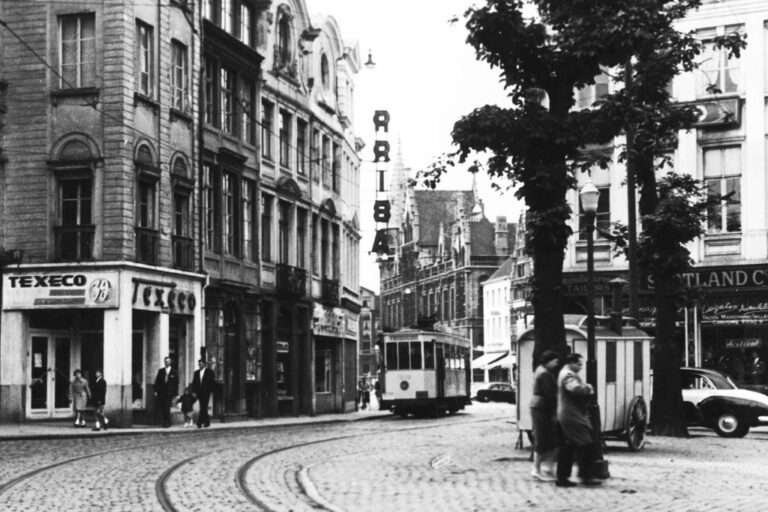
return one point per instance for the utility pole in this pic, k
(634, 281)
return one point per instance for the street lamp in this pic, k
(589, 198)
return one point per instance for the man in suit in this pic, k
(202, 387)
(166, 387)
(99, 397)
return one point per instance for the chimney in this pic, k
(502, 236)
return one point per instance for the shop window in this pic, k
(323, 371)
(137, 380)
(145, 80)
(722, 176)
(252, 348)
(77, 58)
(602, 217)
(283, 347)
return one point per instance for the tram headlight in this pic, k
(404, 385)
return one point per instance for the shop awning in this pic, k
(507, 361)
(484, 360)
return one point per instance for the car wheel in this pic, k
(730, 425)
(484, 398)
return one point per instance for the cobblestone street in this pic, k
(465, 462)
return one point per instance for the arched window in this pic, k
(74, 226)
(181, 238)
(75, 150)
(325, 72)
(147, 235)
(284, 50)
(180, 167)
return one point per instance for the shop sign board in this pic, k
(743, 343)
(722, 277)
(60, 289)
(169, 297)
(327, 321)
(735, 310)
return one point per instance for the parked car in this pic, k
(497, 392)
(713, 400)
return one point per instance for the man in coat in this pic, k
(99, 398)
(166, 387)
(574, 423)
(202, 386)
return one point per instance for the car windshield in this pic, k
(721, 381)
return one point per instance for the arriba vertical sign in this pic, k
(381, 207)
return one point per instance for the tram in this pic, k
(425, 372)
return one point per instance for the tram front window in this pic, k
(403, 355)
(415, 355)
(429, 355)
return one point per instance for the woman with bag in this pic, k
(79, 393)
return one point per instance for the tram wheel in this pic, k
(636, 423)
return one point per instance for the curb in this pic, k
(159, 430)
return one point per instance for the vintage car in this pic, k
(497, 392)
(713, 400)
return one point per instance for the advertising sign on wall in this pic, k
(60, 290)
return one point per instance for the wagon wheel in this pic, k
(636, 423)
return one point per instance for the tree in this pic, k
(673, 209)
(536, 144)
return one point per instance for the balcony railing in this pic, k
(147, 245)
(183, 252)
(291, 280)
(330, 292)
(74, 243)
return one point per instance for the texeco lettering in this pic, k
(48, 281)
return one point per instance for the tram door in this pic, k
(49, 367)
(440, 370)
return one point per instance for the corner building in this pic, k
(98, 201)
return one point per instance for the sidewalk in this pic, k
(48, 429)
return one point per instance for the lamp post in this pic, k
(589, 198)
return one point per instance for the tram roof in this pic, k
(422, 335)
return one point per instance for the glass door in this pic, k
(49, 370)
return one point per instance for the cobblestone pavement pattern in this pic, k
(377, 465)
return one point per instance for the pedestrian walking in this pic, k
(166, 387)
(574, 423)
(364, 391)
(203, 381)
(544, 417)
(187, 402)
(99, 399)
(79, 393)
(378, 392)
(757, 368)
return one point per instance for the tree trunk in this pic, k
(547, 302)
(667, 413)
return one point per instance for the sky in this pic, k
(427, 77)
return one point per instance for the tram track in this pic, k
(308, 494)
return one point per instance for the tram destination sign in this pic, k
(60, 290)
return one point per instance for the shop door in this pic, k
(49, 369)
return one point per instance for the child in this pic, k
(187, 401)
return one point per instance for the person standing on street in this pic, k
(544, 416)
(79, 393)
(202, 386)
(99, 399)
(364, 390)
(166, 387)
(575, 426)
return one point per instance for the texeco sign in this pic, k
(60, 290)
